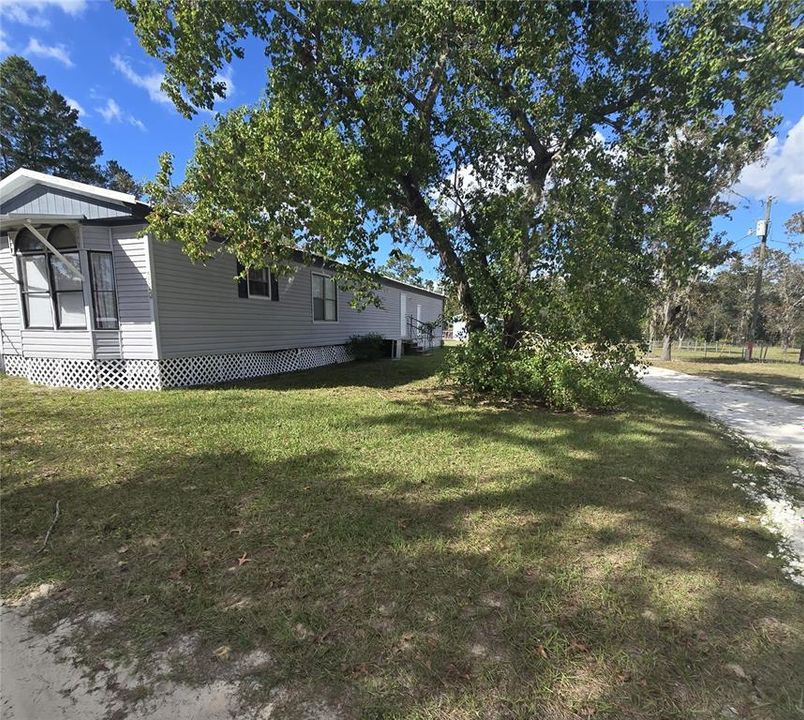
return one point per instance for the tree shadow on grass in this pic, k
(548, 583)
(761, 376)
(382, 374)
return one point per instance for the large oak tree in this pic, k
(527, 144)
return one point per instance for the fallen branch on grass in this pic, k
(50, 529)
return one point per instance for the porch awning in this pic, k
(17, 221)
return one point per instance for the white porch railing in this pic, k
(419, 333)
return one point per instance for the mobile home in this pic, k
(88, 299)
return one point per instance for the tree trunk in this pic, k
(667, 344)
(801, 356)
(669, 320)
(453, 266)
(513, 329)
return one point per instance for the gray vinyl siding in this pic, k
(136, 337)
(42, 200)
(431, 308)
(10, 319)
(57, 343)
(107, 344)
(134, 302)
(199, 311)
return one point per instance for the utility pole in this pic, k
(763, 226)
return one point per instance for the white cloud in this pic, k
(781, 172)
(55, 52)
(4, 46)
(75, 105)
(112, 112)
(33, 12)
(226, 78)
(150, 82)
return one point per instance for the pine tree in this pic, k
(116, 177)
(39, 130)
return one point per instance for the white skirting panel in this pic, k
(170, 372)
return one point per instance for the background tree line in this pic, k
(40, 131)
(720, 304)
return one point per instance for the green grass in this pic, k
(780, 377)
(722, 352)
(405, 555)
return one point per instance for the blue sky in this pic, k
(88, 52)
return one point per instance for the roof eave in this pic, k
(15, 221)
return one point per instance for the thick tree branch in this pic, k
(418, 207)
(601, 116)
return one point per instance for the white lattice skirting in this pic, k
(170, 372)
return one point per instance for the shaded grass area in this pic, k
(401, 555)
(782, 378)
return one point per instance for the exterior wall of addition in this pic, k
(200, 311)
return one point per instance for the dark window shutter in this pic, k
(242, 282)
(274, 288)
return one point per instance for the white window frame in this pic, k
(312, 299)
(267, 275)
(48, 252)
(24, 293)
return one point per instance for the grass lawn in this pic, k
(400, 555)
(782, 378)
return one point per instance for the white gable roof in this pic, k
(21, 179)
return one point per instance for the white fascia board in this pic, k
(17, 221)
(22, 178)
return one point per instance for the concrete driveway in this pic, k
(762, 418)
(756, 415)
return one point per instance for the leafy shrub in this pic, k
(366, 347)
(563, 376)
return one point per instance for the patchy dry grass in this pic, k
(782, 378)
(399, 555)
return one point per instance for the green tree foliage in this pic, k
(720, 304)
(402, 266)
(684, 255)
(534, 147)
(115, 177)
(40, 131)
(783, 312)
(794, 225)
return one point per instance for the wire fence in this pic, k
(692, 349)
